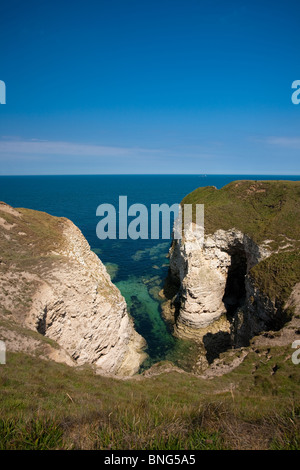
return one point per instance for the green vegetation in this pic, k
(34, 233)
(261, 209)
(45, 405)
(266, 211)
(277, 275)
(35, 434)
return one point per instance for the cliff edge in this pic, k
(239, 282)
(54, 285)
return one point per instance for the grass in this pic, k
(277, 275)
(45, 405)
(34, 434)
(43, 233)
(260, 209)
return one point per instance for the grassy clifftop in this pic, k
(30, 241)
(268, 212)
(45, 405)
(264, 210)
(30, 233)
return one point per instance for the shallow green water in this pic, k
(147, 318)
(141, 292)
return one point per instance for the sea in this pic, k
(138, 267)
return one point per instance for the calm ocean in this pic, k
(138, 267)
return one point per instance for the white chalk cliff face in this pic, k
(69, 295)
(211, 278)
(235, 282)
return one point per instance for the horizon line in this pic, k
(156, 174)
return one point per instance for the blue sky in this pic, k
(168, 86)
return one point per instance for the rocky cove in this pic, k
(216, 298)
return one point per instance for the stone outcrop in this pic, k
(205, 273)
(52, 283)
(217, 301)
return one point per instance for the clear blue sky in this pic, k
(160, 86)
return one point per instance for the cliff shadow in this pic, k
(234, 298)
(235, 290)
(215, 344)
(42, 322)
(171, 292)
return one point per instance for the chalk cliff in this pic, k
(52, 283)
(203, 275)
(236, 283)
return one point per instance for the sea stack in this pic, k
(238, 283)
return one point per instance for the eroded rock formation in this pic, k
(218, 301)
(51, 282)
(212, 277)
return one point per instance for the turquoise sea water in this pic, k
(138, 267)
